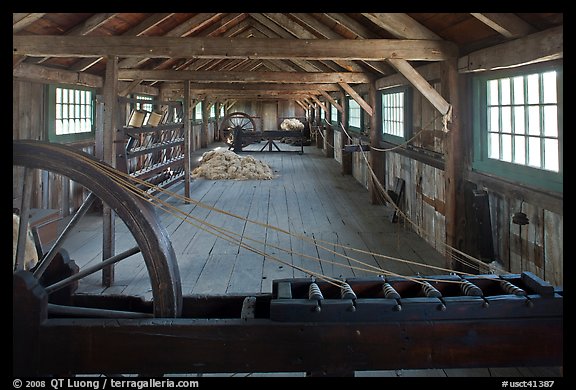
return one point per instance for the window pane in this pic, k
(506, 119)
(519, 126)
(392, 113)
(549, 87)
(551, 160)
(507, 147)
(550, 121)
(494, 146)
(58, 127)
(494, 120)
(64, 126)
(493, 92)
(534, 152)
(534, 120)
(533, 89)
(518, 90)
(505, 91)
(520, 149)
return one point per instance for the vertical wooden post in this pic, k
(108, 154)
(377, 159)
(455, 163)
(329, 136)
(187, 138)
(346, 168)
(205, 116)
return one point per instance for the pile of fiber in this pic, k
(225, 164)
(291, 124)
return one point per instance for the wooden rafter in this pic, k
(508, 24)
(137, 30)
(401, 25)
(331, 100)
(22, 20)
(404, 27)
(354, 95)
(319, 103)
(188, 27)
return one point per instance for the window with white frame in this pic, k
(198, 111)
(354, 115)
(396, 117)
(518, 126)
(213, 111)
(333, 114)
(70, 113)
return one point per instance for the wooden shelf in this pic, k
(155, 154)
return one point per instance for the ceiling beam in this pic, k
(139, 29)
(264, 48)
(322, 106)
(301, 32)
(404, 27)
(542, 46)
(354, 95)
(401, 25)
(361, 32)
(507, 24)
(92, 23)
(244, 77)
(43, 74)
(188, 27)
(331, 100)
(264, 87)
(421, 85)
(270, 29)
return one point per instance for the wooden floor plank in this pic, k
(310, 198)
(215, 275)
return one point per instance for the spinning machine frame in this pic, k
(302, 326)
(238, 130)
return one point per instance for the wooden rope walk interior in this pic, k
(134, 185)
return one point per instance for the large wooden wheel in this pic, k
(150, 239)
(234, 122)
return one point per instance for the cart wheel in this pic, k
(237, 121)
(149, 238)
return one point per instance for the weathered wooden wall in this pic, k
(360, 169)
(337, 142)
(423, 200)
(536, 247)
(29, 122)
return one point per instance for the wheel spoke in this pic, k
(139, 217)
(47, 259)
(94, 312)
(90, 270)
